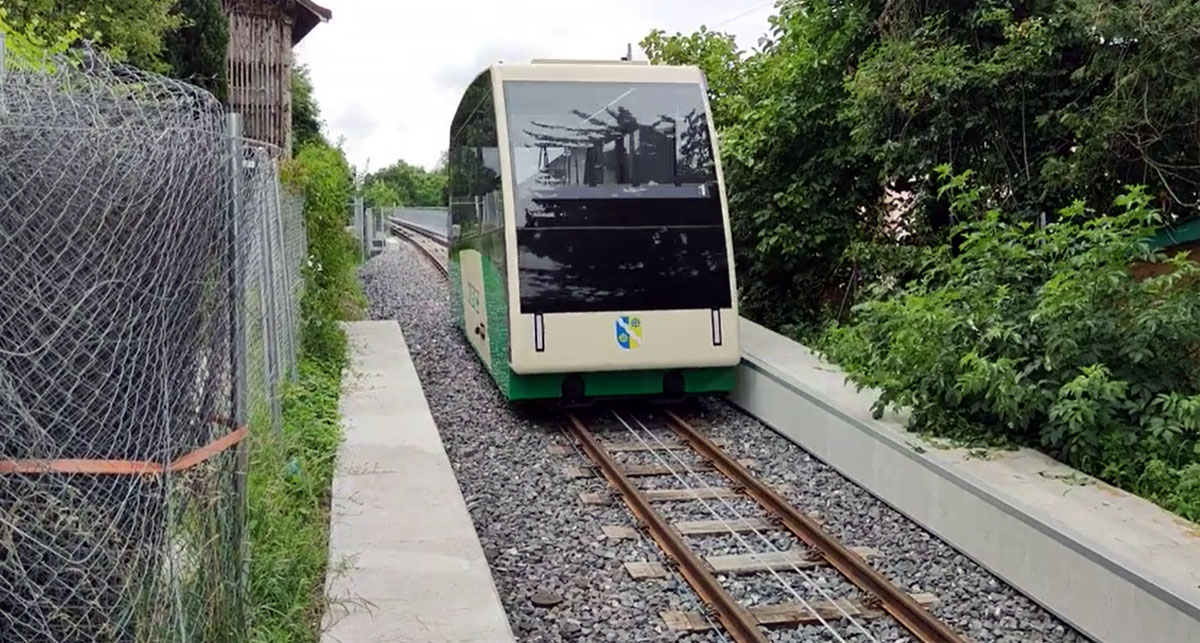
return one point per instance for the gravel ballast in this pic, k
(561, 579)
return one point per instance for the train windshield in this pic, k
(617, 201)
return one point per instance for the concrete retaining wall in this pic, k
(1116, 567)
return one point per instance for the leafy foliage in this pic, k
(26, 47)
(405, 184)
(380, 194)
(799, 190)
(1043, 337)
(714, 52)
(1046, 101)
(832, 130)
(306, 113)
(322, 174)
(130, 31)
(198, 50)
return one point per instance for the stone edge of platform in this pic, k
(351, 377)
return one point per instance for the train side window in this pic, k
(474, 117)
(483, 141)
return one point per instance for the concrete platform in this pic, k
(1114, 566)
(405, 561)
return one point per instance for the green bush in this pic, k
(323, 176)
(1043, 337)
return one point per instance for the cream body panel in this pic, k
(588, 342)
(475, 303)
(599, 73)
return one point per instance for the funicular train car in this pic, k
(590, 251)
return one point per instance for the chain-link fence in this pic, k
(150, 276)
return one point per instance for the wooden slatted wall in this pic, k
(260, 68)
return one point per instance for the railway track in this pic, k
(430, 244)
(742, 624)
(880, 598)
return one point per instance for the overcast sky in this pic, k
(389, 73)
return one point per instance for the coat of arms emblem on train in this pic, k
(629, 332)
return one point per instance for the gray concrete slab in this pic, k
(405, 561)
(1115, 566)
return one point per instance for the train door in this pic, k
(475, 303)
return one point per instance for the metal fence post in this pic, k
(237, 278)
(271, 321)
(359, 215)
(240, 386)
(288, 290)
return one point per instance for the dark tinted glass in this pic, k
(473, 164)
(617, 200)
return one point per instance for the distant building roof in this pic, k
(306, 16)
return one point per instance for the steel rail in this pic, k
(787, 586)
(738, 621)
(440, 239)
(920, 622)
(408, 235)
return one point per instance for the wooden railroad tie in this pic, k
(705, 527)
(646, 470)
(632, 447)
(774, 561)
(790, 613)
(699, 528)
(673, 495)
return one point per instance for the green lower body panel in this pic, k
(620, 383)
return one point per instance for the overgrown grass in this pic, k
(291, 473)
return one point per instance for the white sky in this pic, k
(389, 73)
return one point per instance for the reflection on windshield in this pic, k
(618, 206)
(606, 140)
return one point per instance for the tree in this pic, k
(714, 52)
(381, 195)
(1143, 125)
(306, 113)
(198, 51)
(1044, 101)
(799, 191)
(26, 48)
(849, 105)
(412, 185)
(131, 31)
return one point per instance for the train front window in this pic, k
(617, 202)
